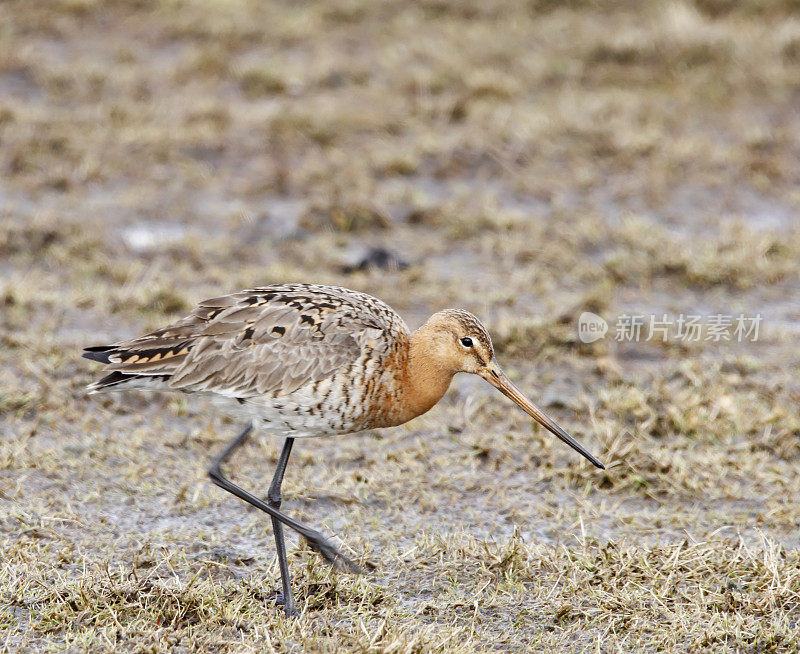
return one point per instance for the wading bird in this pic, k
(301, 360)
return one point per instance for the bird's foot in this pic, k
(331, 554)
(289, 609)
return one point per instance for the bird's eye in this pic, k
(466, 341)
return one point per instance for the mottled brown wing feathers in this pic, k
(268, 340)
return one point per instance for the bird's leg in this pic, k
(315, 540)
(232, 447)
(274, 499)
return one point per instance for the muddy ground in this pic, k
(527, 161)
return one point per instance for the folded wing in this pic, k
(268, 340)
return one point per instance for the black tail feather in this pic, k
(112, 379)
(99, 353)
(122, 379)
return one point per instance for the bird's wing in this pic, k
(266, 340)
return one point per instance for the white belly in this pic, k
(321, 411)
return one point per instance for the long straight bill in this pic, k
(497, 378)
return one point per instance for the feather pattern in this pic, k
(283, 351)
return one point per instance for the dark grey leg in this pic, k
(315, 540)
(232, 447)
(274, 499)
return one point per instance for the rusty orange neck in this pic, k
(425, 380)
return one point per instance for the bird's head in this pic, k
(458, 342)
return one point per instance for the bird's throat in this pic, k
(427, 378)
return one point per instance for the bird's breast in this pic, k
(366, 395)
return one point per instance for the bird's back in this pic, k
(280, 349)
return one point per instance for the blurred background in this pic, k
(528, 161)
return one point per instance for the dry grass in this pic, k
(469, 594)
(528, 161)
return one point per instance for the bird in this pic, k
(307, 360)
